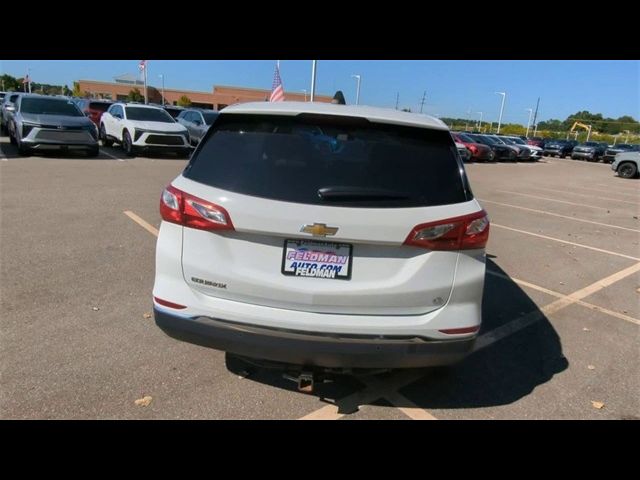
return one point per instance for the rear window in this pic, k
(332, 161)
(99, 106)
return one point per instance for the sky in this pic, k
(453, 87)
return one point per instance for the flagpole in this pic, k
(29, 77)
(313, 80)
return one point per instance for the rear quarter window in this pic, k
(292, 158)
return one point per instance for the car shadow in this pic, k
(7, 150)
(498, 374)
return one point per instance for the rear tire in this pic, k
(127, 144)
(22, 150)
(103, 137)
(627, 170)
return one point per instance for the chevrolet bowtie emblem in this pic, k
(319, 230)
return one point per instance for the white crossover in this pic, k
(142, 127)
(323, 235)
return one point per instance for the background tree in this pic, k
(135, 96)
(76, 90)
(184, 101)
(10, 84)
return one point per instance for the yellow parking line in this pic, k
(597, 286)
(595, 249)
(612, 313)
(147, 226)
(575, 219)
(328, 412)
(411, 410)
(552, 199)
(562, 295)
(583, 195)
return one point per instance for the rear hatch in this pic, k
(321, 208)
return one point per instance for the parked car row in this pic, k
(488, 148)
(41, 122)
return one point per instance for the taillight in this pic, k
(473, 149)
(458, 233)
(184, 209)
(169, 304)
(458, 331)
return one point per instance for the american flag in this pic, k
(142, 65)
(277, 92)
(26, 79)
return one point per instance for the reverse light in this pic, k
(459, 233)
(184, 209)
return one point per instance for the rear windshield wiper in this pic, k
(359, 193)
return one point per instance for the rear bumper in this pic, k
(311, 349)
(587, 155)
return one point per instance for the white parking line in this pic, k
(552, 199)
(595, 249)
(583, 195)
(619, 187)
(561, 216)
(109, 155)
(600, 190)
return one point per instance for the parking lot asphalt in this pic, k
(561, 309)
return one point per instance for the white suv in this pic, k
(323, 235)
(142, 127)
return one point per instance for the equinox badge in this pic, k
(319, 230)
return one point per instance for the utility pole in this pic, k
(424, 97)
(535, 119)
(397, 98)
(146, 97)
(313, 80)
(504, 96)
(162, 77)
(358, 78)
(530, 110)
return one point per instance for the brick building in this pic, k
(217, 99)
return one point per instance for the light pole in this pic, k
(313, 79)
(357, 77)
(162, 77)
(304, 90)
(480, 124)
(530, 110)
(504, 96)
